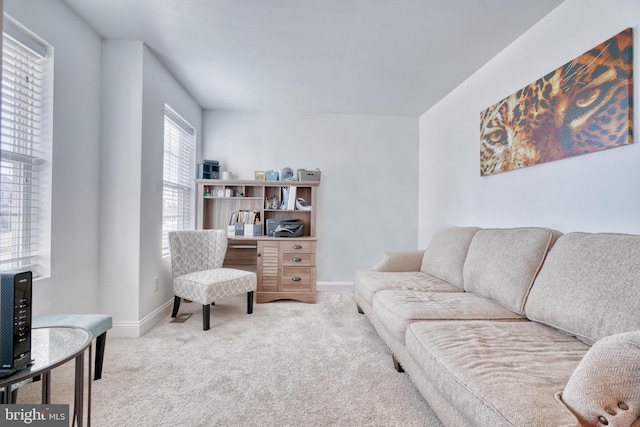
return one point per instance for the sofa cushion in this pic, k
(397, 309)
(502, 263)
(498, 373)
(445, 255)
(589, 286)
(368, 282)
(400, 261)
(606, 383)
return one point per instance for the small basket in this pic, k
(308, 175)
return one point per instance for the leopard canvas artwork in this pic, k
(583, 106)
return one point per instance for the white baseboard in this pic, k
(138, 329)
(334, 286)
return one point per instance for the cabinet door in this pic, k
(268, 266)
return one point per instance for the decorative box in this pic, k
(271, 175)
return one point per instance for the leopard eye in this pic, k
(588, 97)
(497, 137)
(588, 102)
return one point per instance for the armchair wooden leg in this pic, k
(250, 302)
(206, 317)
(176, 306)
(397, 364)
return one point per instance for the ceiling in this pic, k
(388, 57)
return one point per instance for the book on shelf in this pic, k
(288, 198)
(285, 198)
(291, 202)
(233, 219)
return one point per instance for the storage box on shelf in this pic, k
(285, 266)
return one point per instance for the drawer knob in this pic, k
(296, 279)
(296, 259)
(297, 246)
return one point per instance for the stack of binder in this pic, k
(244, 223)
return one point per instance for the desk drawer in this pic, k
(298, 278)
(298, 260)
(306, 247)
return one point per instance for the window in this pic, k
(178, 174)
(25, 151)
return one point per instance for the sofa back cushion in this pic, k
(502, 263)
(445, 255)
(589, 286)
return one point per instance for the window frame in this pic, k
(26, 150)
(178, 185)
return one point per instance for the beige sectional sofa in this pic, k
(514, 327)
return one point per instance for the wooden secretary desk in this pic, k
(285, 266)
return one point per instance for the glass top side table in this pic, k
(50, 348)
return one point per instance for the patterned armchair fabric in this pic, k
(208, 286)
(197, 250)
(196, 265)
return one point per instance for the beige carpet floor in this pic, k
(287, 364)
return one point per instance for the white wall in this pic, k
(593, 192)
(367, 196)
(135, 89)
(73, 284)
(159, 88)
(120, 172)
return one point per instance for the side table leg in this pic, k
(89, 385)
(6, 395)
(46, 388)
(79, 390)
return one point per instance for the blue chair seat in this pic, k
(97, 324)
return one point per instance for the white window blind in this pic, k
(22, 153)
(178, 176)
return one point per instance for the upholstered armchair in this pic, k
(196, 264)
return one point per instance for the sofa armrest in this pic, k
(400, 261)
(604, 389)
